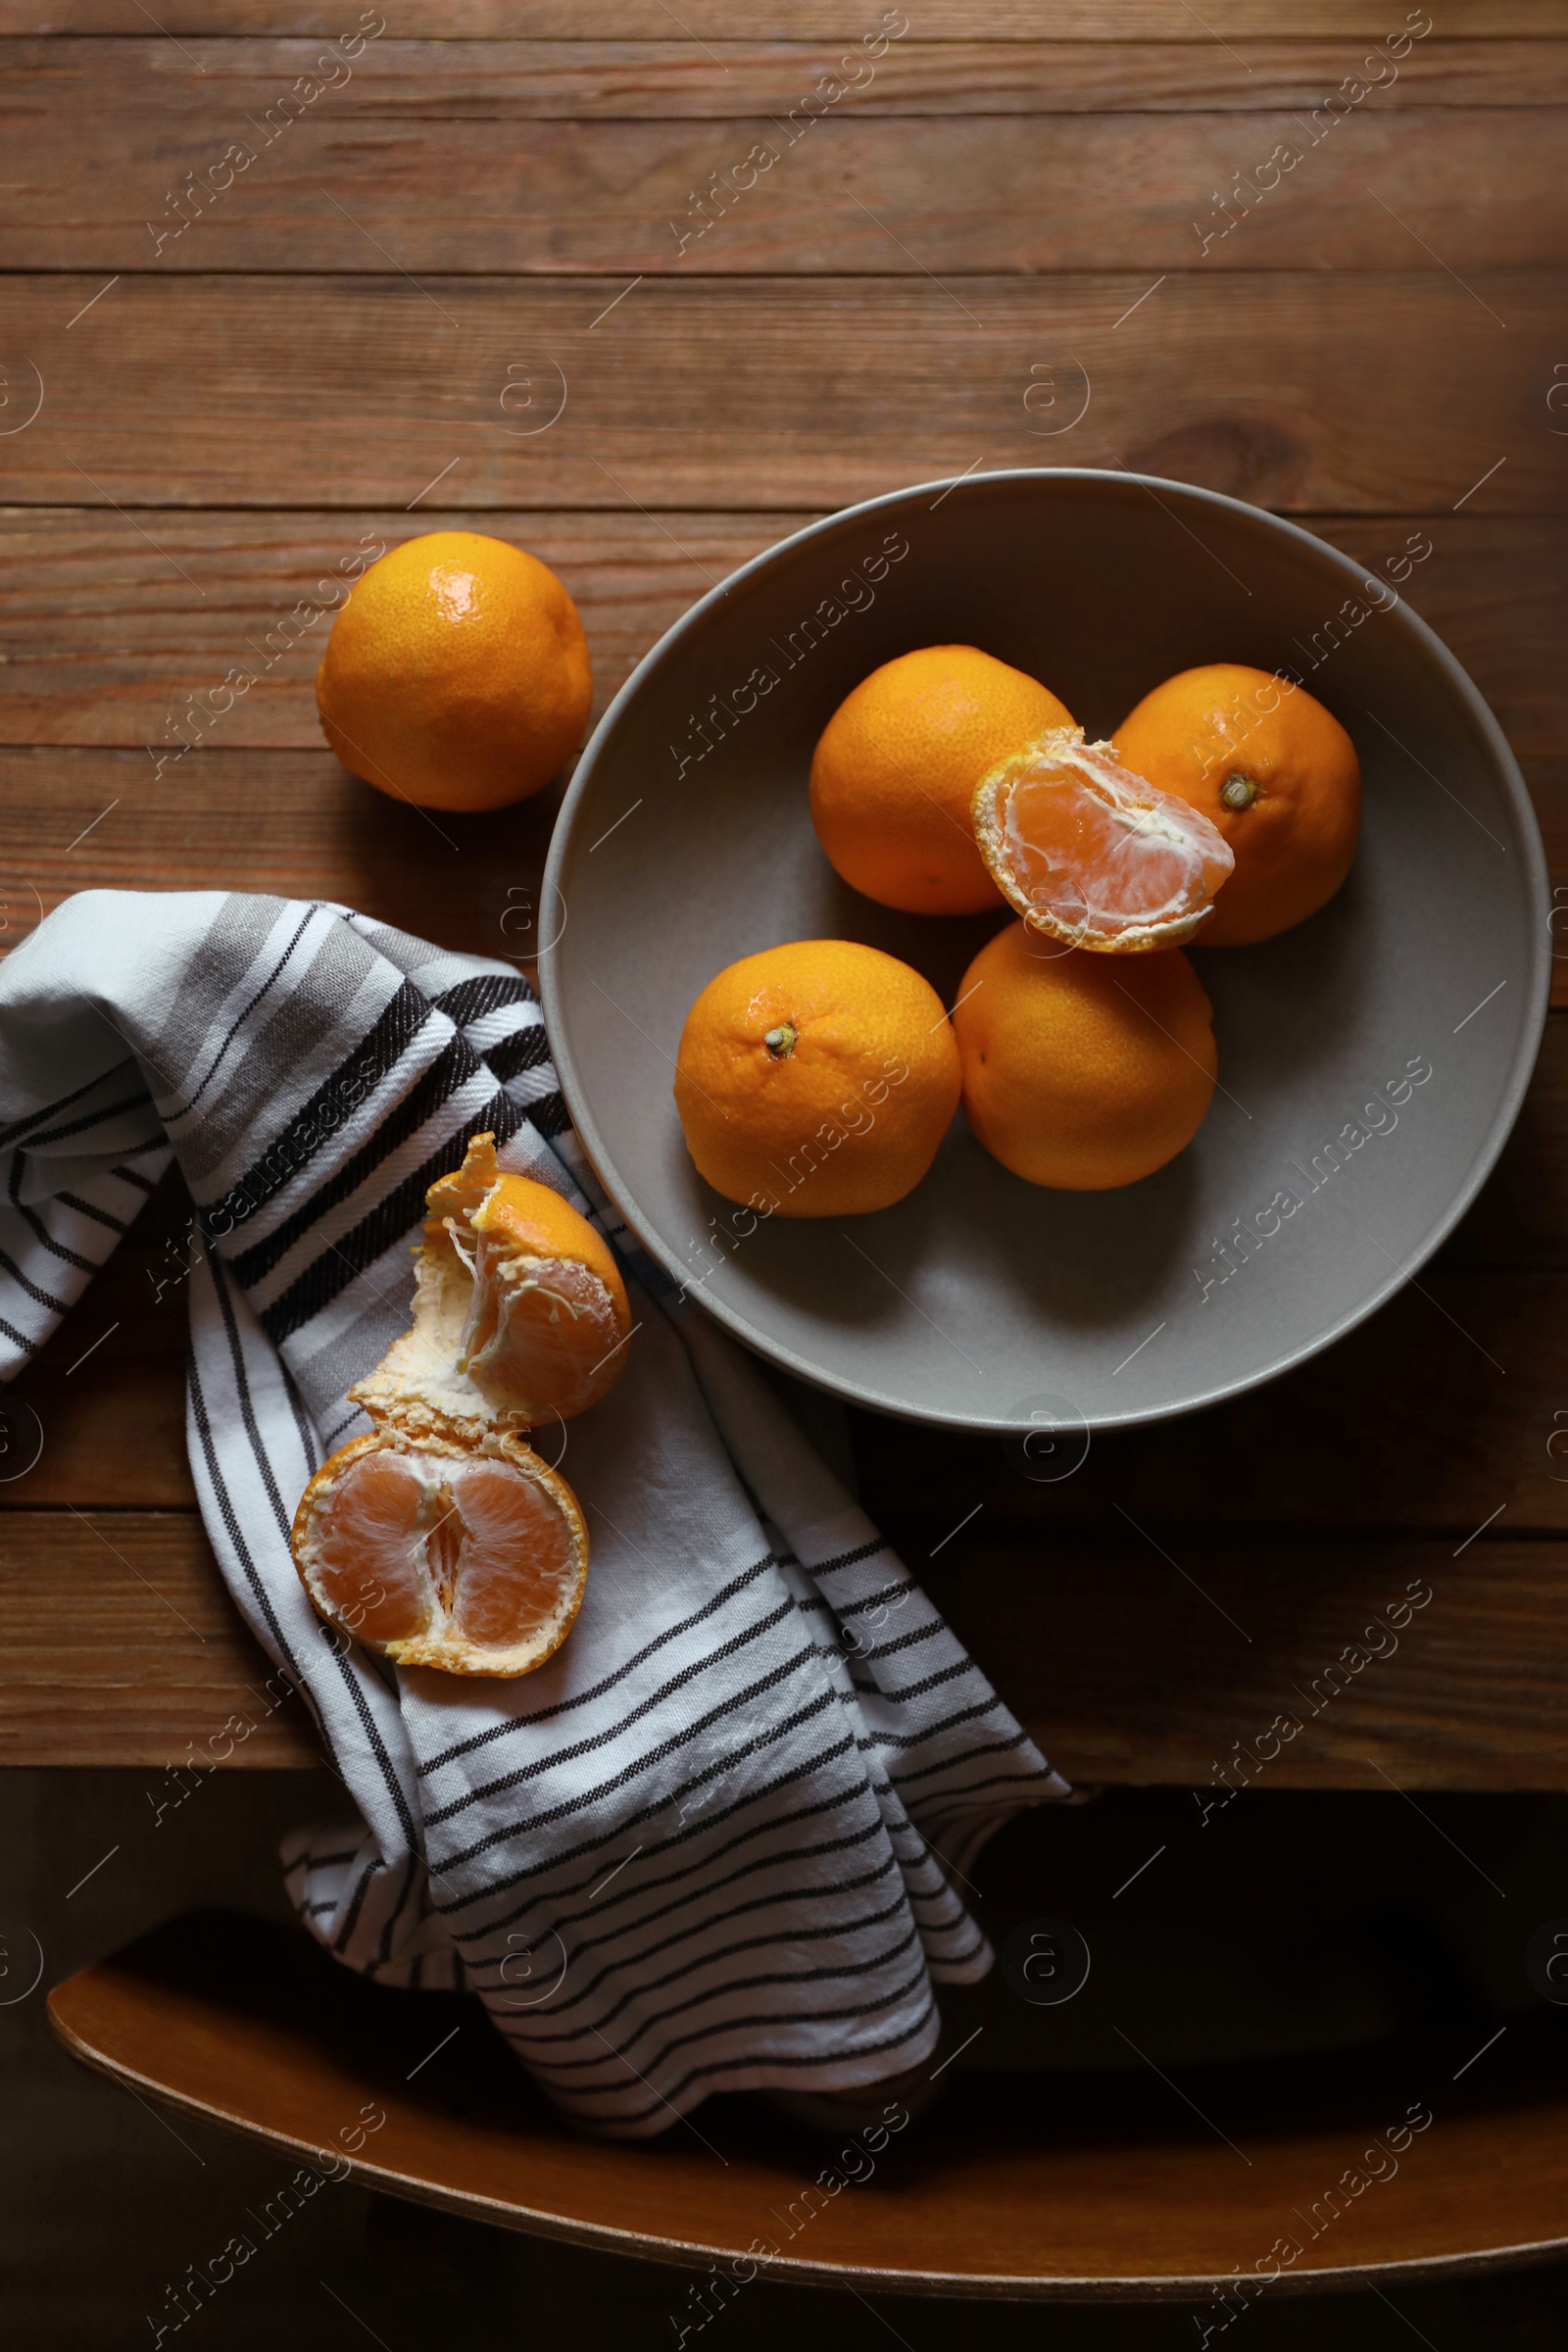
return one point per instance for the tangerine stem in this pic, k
(1238, 791)
(780, 1042)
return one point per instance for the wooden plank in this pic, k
(1521, 1219)
(1382, 189)
(1448, 1408)
(122, 1648)
(202, 391)
(1474, 589)
(293, 822)
(1548, 779)
(1406, 1424)
(666, 80)
(296, 823)
(101, 636)
(1126, 1673)
(354, 396)
(835, 21)
(103, 633)
(100, 1413)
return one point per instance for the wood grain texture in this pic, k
(413, 81)
(237, 184)
(102, 635)
(104, 632)
(381, 312)
(1102, 2184)
(1404, 1425)
(1521, 1219)
(295, 824)
(109, 1388)
(1128, 1668)
(291, 822)
(186, 391)
(1448, 1408)
(123, 1648)
(1137, 1613)
(835, 21)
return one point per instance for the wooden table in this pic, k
(367, 328)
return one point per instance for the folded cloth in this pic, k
(710, 1845)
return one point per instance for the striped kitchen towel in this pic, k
(712, 1843)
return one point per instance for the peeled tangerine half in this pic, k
(435, 1555)
(442, 1540)
(1089, 852)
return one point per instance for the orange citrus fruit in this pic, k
(817, 1079)
(1090, 852)
(457, 674)
(519, 1311)
(1083, 1071)
(894, 775)
(438, 1554)
(441, 1539)
(1274, 770)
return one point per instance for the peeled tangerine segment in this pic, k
(437, 1555)
(1090, 852)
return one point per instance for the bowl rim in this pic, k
(850, 1392)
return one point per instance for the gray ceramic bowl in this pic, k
(1371, 1061)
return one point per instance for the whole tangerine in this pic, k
(457, 674)
(817, 1079)
(1083, 1071)
(894, 775)
(1273, 770)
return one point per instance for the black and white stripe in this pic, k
(715, 1844)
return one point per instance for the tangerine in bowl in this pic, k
(1372, 1030)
